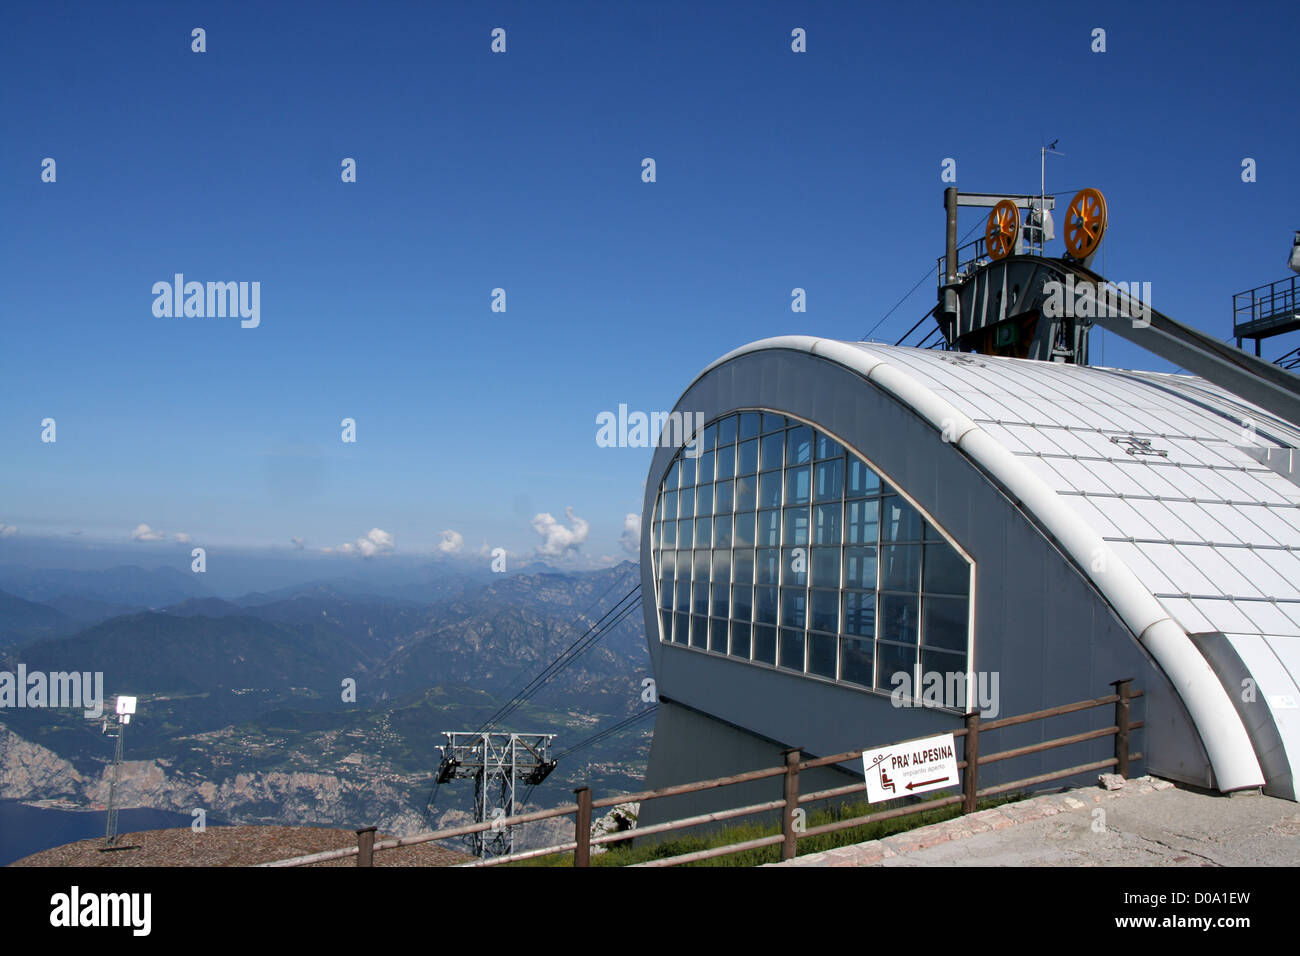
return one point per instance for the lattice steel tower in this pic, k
(497, 763)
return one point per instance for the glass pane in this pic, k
(945, 623)
(773, 422)
(748, 424)
(700, 597)
(826, 567)
(769, 528)
(670, 534)
(764, 644)
(826, 524)
(791, 649)
(742, 603)
(769, 567)
(795, 566)
(701, 565)
(828, 483)
(688, 470)
(770, 452)
(670, 504)
(674, 475)
(821, 655)
(794, 607)
(703, 531)
(681, 627)
(862, 481)
(798, 489)
(946, 571)
(718, 635)
(740, 640)
(949, 666)
(710, 438)
(896, 660)
(900, 520)
(828, 447)
(722, 498)
(747, 457)
(699, 630)
(722, 531)
(769, 490)
(686, 503)
(765, 605)
(726, 463)
(860, 613)
(727, 430)
(722, 573)
(703, 499)
(685, 533)
(666, 593)
(798, 448)
(705, 470)
(746, 493)
(743, 566)
(824, 611)
(721, 605)
(796, 526)
(862, 520)
(898, 618)
(665, 625)
(744, 530)
(667, 563)
(856, 661)
(900, 567)
(683, 593)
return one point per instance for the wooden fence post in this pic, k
(788, 831)
(582, 828)
(971, 782)
(1121, 722)
(366, 846)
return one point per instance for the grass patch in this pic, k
(742, 832)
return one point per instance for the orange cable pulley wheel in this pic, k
(1002, 229)
(1085, 223)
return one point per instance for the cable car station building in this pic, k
(866, 542)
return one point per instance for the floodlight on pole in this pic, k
(124, 709)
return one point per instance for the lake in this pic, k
(26, 830)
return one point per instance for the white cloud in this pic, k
(7, 530)
(376, 541)
(143, 532)
(556, 538)
(182, 538)
(631, 538)
(452, 542)
(298, 543)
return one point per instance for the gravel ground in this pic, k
(233, 846)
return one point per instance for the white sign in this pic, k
(917, 766)
(126, 705)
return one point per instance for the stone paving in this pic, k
(1144, 822)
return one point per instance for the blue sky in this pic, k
(522, 171)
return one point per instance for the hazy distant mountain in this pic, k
(24, 621)
(229, 689)
(123, 585)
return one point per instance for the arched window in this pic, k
(774, 544)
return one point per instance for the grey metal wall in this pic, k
(1037, 620)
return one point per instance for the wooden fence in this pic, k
(972, 759)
